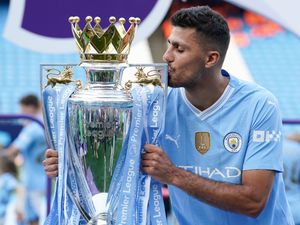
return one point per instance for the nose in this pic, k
(168, 57)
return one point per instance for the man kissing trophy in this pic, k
(99, 130)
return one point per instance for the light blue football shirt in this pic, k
(32, 144)
(241, 131)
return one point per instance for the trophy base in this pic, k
(99, 201)
(99, 220)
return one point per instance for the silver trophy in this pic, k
(99, 116)
(99, 113)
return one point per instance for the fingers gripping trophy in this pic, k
(90, 128)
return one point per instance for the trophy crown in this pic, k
(105, 45)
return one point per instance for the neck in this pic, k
(207, 91)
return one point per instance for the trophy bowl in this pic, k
(99, 117)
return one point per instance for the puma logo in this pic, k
(172, 139)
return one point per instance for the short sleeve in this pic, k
(27, 136)
(265, 143)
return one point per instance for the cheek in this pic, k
(191, 67)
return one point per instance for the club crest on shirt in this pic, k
(233, 142)
(202, 142)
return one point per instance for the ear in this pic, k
(212, 59)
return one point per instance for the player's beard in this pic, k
(175, 79)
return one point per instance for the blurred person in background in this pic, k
(291, 175)
(294, 137)
(31, 145)
(8, 188)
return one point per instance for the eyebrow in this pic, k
(176, 44)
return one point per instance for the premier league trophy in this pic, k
(90, 127)
(100, 113)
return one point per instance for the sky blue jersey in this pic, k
(240, 131)
(32, 144)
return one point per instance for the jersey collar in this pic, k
(216, 106)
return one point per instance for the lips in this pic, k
(170, 69)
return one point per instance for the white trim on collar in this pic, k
(213, 108)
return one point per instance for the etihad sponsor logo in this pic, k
(233, 142)
(266, 136)
(213, 172)
(202, 142)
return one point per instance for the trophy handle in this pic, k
(151, 77)
(63, 77)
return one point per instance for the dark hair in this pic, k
(7, 165)
(30, 100)
(210, 25)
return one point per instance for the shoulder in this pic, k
(29, 133)
(34, 127)
(259, 103)
(253, 92)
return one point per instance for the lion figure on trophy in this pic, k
(59, 77)
(152, 77)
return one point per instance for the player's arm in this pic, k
(21, 143)
(247, 198)
(51, 163)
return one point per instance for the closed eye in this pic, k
(177, 46)
(180, 50)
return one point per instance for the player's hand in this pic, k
(51, 163)
(157, 164)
